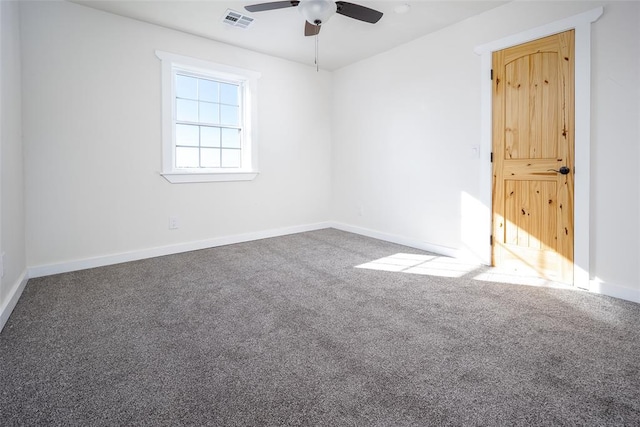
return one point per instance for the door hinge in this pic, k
(491, 240)
(492, 74)
(492, 157)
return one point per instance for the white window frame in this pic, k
(247, 81)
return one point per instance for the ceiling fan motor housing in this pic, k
(317, 11)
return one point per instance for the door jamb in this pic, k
(581, 23)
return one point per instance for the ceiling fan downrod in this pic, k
(317, 12)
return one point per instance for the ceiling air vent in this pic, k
(237, 19)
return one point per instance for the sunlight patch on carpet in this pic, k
(428, 265)
(528, 278)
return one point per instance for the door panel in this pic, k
(533, 137)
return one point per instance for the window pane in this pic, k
(228, 94)
(210, 157)
(186, 111)
(186, 87)
(231, 138)
(209, 137)
(208, 90)
(230, 158)
(229, 115)
(187, 157)
(187, 135)
(209, 113)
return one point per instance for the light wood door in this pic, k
(533, 136)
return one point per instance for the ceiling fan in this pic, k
(317, 12)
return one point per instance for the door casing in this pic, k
(581, 23)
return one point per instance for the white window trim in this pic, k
(249, 80)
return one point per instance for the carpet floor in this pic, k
(287, 331)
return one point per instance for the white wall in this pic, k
(385, 145)
(616, 146)
(404, 123)
(92, 139)
(12, 230)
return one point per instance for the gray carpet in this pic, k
(285, 331)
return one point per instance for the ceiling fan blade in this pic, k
(260, 7)
(358, 12)
(310, 29)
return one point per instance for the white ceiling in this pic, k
(342, 40)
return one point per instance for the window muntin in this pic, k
(208, 125)
(209, 121)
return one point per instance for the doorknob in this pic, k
(563, 170)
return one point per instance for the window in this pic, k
(208, 115)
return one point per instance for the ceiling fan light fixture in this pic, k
(317, 11)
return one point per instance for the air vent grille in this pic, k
(237, 19)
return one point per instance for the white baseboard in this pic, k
(595, 286)
(616, 291)
(401, 240)
(81, 264)
(100, 261)
(12, 300)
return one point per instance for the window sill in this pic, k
(182, 178)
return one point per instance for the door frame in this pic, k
(581, 23)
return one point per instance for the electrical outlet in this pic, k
(2, 264)
(173, 223)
